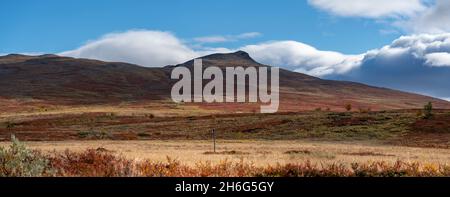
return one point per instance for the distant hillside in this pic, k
(64, 80)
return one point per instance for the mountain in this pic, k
(77, 81)
(70, 81)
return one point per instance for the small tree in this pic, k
(428, 111)
(348, 107)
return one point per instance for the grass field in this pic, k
(234, 158)
(404, 127)
(248, 144)
(258, 152)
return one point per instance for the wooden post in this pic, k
(213, 133)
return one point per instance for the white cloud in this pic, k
(388, 31)
(146, 48)
(302, 57)
(211, 39)
(370, 8)
(433, 48)
(157, 48)
(438, 59)
(227, 38)
(32, 53)
(416, 63)
(435, 19)
(248, 35)
(413, 16)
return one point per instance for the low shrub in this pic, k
(91, 163)
(17, 161)
(428, 111)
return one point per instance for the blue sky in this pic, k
(400, 44)
(54, 25)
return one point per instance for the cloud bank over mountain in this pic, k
(147, 48)
(159, 48)
(417, 63)
(303, 58)
(143, 47)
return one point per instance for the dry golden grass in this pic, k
(160, 109)
(260, 153)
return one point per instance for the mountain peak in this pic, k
(238, 55)
(238, 58)
(242, 54)
(49, 56)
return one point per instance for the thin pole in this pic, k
(214, 139)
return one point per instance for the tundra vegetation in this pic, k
(116, 141)
(17, 160)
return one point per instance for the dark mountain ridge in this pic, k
(66, 80)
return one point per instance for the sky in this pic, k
(400, 44)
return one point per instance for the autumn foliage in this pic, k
(17, 160)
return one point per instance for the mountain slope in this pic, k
(69, 80)
(63, 80)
